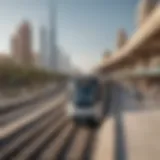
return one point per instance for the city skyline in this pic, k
(21, 44)
(22, 53)
(85, 28)
(44, 46)
(53, 51)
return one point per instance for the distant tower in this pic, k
(25, 40)
(145, 8)
(53, 57)
(36, 60)
(15, 48)
(121, 38)
(106, 55)
(61, 61)
(66, 64)
(44, 59)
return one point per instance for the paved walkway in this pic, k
(131, 133)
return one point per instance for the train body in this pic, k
(85, 100)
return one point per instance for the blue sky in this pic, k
(85, 28)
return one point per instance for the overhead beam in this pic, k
(142, 36)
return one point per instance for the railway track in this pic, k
(52, 136)
(34, 99)
(44, 133)
(12, 113)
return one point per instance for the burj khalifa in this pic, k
(53, 54)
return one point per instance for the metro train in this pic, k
(85, 102)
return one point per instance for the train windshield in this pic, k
(85, 92)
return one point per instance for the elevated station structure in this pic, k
(139, 57)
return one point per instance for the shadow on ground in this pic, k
(119, 100)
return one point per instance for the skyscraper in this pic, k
(106, 55)
(25, 43)
(60, 60)
(121, 38)
(64, 62)
(53, 56)
(15, 48)
(44, 57)
(145, 8)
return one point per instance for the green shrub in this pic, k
(13, 76)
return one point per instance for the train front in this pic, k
(83, 104)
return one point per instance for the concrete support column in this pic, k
(155, 62)
(143, 63)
